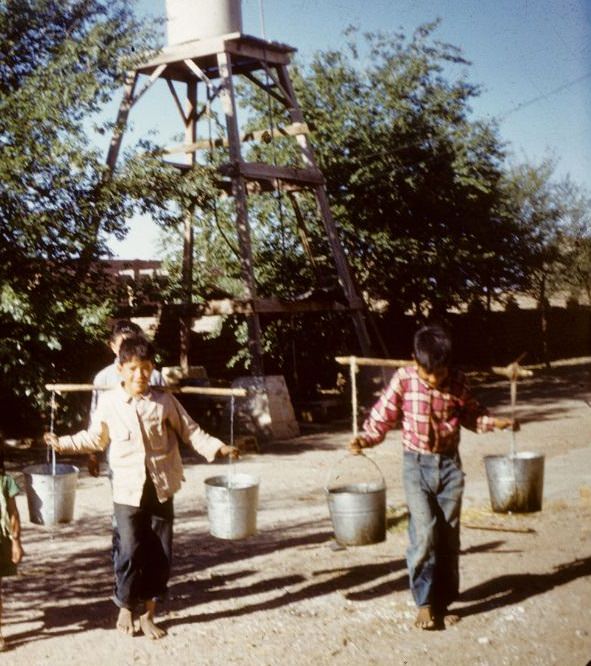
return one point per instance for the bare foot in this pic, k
(125, 622)
(449, 619)
(425, 618)
(147, 625)
(443, 619)
(2, 644)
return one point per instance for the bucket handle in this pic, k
(347, 457)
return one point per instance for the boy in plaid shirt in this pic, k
(431, 400)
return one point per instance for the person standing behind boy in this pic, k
(109, 376)
(142, 426)
(11, 550)
(431, 400)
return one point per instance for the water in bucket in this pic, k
(232, 503)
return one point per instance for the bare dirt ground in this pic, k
(287, 596)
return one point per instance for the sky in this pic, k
(532, 59)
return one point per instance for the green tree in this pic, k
(60, 63)
(414, 181)
(576, 250)
(552, 216)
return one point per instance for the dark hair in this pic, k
(432, 348)
(124, 327)
(136, 347)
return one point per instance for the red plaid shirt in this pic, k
(431, 418)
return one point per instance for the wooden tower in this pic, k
(212, 64)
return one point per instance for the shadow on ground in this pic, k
(514, 588)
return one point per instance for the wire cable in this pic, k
(539, 98)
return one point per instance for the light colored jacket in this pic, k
(143, 434)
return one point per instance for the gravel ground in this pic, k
(289, 595)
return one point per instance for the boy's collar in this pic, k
(127, 397)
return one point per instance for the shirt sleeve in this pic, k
(95, 438)
(190, 432)
(385, 414)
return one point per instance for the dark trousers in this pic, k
(143, 554)
(434, 485)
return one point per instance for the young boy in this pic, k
(109, 377)
(431, 400)
(141, 425)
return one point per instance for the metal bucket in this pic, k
(515, 482)
(358, 513)
(50, 497)
(232, 505)
(357, 508)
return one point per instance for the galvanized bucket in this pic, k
(515, 482)
(51, 496)
(358, 510)
(232, 503)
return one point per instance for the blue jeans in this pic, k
(143, 554)
(433, 484)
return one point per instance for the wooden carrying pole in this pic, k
(513, 371)
(195, 390)
(375, 362)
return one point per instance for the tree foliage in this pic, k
(414, 178)
(577, 244)
(415, 182)
(554, 221)
(60, 63)
(430, 214)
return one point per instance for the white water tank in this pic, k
(188, 20)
